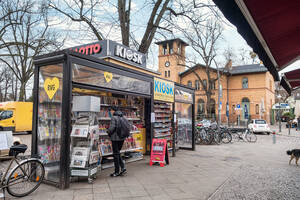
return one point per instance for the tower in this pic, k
(171, 58)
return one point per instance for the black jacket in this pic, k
(112, 130)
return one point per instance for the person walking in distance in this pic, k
(116, 132)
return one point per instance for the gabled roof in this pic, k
(171, 41)
(236, 70)
(246, 69)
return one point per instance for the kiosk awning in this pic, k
(270, 27)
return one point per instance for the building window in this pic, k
(166, 74)
(204, 84)
(257, 109)
(212, 85)
(197, 85)
(179, 49)
(189, 83)
(233, 109)
(165, 49)
(245, 82)
(171, 48)
(169, 73)
(200, 109)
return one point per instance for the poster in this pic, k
(163, 90)
(159, 152)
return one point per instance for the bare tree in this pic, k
(28, 35)
(203, 40)
(6, 81)
(87, 12)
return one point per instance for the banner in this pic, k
(163, 90)
(159, 152)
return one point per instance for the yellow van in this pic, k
(16, 116)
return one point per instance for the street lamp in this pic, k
(279, 112)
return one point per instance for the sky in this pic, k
(107, 15)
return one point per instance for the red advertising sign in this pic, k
(159, 152)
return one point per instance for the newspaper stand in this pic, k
(84, 137)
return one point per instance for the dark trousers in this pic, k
(117, 146)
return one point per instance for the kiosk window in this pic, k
(97, 77)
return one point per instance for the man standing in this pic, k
(117, 142)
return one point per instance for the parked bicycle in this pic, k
(246, 135)
(25, 177)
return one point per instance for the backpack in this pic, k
(123, 128)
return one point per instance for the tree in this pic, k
(28, 35)
(91, 13)
(203, 40)
(6, 82)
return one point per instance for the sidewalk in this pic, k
(285, 131)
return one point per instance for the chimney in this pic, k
(228, 66)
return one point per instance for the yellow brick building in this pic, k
(250, 87)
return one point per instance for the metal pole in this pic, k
(279, 121)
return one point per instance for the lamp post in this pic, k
(279, 112)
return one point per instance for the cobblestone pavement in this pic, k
(239, 170)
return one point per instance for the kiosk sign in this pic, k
(163, 90)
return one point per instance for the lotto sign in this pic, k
(159, 152)
(163, 90)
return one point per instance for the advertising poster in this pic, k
(163, 90)
(159, 152)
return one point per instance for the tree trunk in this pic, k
(22, 91)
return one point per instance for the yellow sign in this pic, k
(163, 90)
(108, 76)
(51, 86)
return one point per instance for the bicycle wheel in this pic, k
(250, 137)
(217, 138)
(25, 178)
(198, 139)
(235, 137)
(226, 137)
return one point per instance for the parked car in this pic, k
(259, 126)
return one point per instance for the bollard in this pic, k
(274, 137)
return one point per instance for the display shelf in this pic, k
(105, 134)
(160, 136)
(163, 121)
(109, 118)
(162, 130)
(124, 107)
(123, 151)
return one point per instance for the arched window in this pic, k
(189, 83)
(204, 84)
(245, 82)
(245, 99)
(197, 85)
(257, 109)
(233, 109)
(200, 108)
(212, 108)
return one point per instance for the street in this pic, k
(238, 170)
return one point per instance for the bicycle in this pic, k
(246, 135)
(25, 177)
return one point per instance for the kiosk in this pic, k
(66, 138)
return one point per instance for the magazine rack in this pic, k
(85, 159)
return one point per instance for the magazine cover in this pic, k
(80, 131)
(78, 161)
(94, 157)
(81, 151)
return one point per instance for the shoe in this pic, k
(114, 174)
(123, 171)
